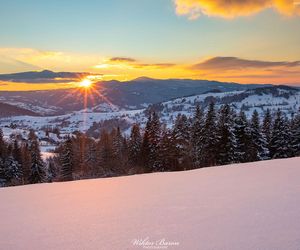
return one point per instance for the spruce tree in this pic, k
(91, 159)
(11, 170)
(145, 152)
(134, 146)
(106, 153)
(258, 145)
(154, 133)
(242, 135)
(267, 128)
(280, 140)
(210, 138)
(3, 155)
(226, 139)
(37, 169)
(181, 138)
(118, 158)
(67, 161)
(17, 154)
(3, 146)
(295, 135)
(117, 144)
(168, 152)
(197, 136)
(51, 170)
(26, 162)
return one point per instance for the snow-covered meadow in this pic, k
(244, 206)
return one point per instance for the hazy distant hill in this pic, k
(133, 94)
(7, 110)
(45, 76)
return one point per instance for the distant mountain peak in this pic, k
(143, 79)
(46, 71)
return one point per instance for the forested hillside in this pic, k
(217, 136)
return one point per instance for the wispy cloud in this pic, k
(12, 65)
(122, 59)
(234, 8)
(24, 59)
(130, 63)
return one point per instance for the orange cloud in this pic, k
(234, 8)
(248, 71)
(235, 63)
(130, 63)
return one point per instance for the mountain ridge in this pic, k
(135, 94)
(7, 110)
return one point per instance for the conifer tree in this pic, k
(2, 158)
(11, 170)
(181, 138)
(91, 159)
(124, 152)
(51, 170)
(267, 127)
(117, 144)
(168, 152)
(210, 138)
(295, 135)
(17, 154)
(242, 135)
(3, 146)
(258, 145)
(226, 140)
(197, 137)
(154, 133)
(37, 169)
(106, 153)
(119, 160)
(146, 151)
(280, 139)
(135, 145)
(26, 162)
(67, 161)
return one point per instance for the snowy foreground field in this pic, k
(247, 206)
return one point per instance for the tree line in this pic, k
(209, 138)
(20, 161)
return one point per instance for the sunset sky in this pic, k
(251, 41)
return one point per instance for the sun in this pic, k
(86, 83)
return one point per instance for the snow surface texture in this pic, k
(246, 206)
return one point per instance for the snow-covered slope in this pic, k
(260, 99)
(74, 121)
(247, 206)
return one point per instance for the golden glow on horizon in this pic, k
(274, 76)
(226, 69)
